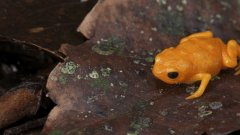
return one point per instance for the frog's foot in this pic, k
(193, 96)
(205, 78)
(237, 69)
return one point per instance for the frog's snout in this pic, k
(156, 70)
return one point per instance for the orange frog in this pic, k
(198, 57)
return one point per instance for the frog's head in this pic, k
(171, 68)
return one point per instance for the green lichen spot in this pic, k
(56, 132)
(141, 106)
(106, 71)
(138, 125)
(69, 68)
(94, 74)
(149, 59)
(238, 2)
(109, 46)
(100, 84)
(62, 79)
(171, 23)
(132, 133)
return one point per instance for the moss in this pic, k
(141, 106)
(106, 71)
(171, 23)
(100, 84)
(56, 132)
(109, 46)
(149, 59)
(238, 7)
(62, 79)
(69, 68)
(138, 125)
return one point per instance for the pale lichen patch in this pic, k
(123, 84)
(79, 77)
(203, 111)
(69, 68)
(179, 8)
(94, 74)
(105, 71)
(215, 105)
(154, 29)
(161, 2)
(53, 78)
(184, 2)
(108, 128)
(191, 89)
(136, 61)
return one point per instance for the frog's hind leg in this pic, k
(230, 55)
(238, 67)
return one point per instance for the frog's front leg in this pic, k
(204, 78)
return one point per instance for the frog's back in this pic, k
(204, 53)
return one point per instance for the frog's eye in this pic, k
(172, 75)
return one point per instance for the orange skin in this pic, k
(198, 57)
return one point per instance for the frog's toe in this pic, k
(237, 69)
(191, 97)
(237, 72)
